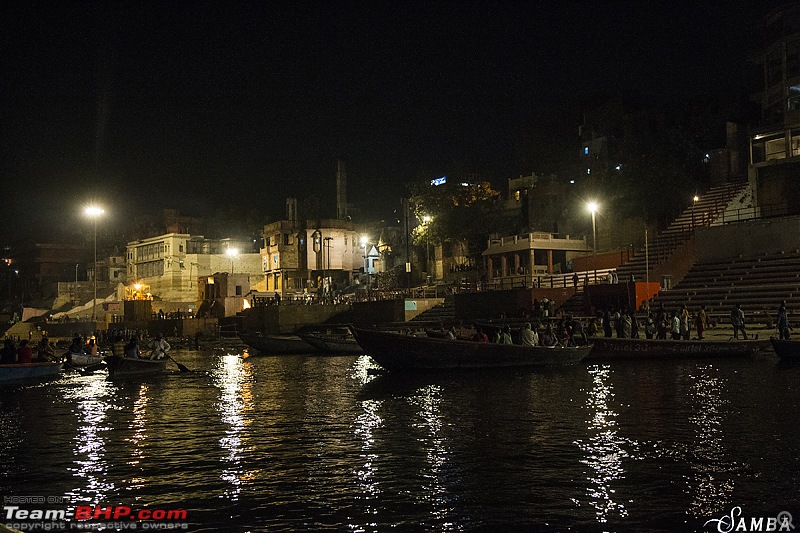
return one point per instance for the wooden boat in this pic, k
(119, 367)
(18, 372)
(614, 348)
(83, 360)
(332, 343)
(277, 344)
(786, 349)
(400, 352)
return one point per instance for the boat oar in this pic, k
(181, 367)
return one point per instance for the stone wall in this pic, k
(753, 237)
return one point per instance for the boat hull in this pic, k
(16, 373)
(119, 367)
(614, 348)
(277, 344)
(333, 344)
(786, 349)
(81, 359)
(399, 352)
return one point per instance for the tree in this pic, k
(459, 212)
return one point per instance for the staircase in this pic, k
(444, 313)
(709, 210)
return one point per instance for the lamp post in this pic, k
(592, 207)
(232, 253)
(426, 219)
(364, 241)
(326, 289)
(94, 212)
(695, 199)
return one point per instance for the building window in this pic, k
(793, 102)
(285, 238)
(769, 148)
(585, 150)
(795, 143)
(180, 248)
(238, 290)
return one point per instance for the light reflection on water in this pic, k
(711, 482)
(306, 443)
(233, 377)
(604, 452)
(428, 400)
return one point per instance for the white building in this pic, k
(171, 264)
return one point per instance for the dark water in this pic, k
(294, 443)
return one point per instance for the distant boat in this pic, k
(614, 348)
(20, 372)
(786, 349)
(277, 344)
(400, 352)
(120, 367)
(336, 340)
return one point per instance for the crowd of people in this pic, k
(567, 331)
(676, 324)
(45, 351)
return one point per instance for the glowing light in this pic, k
(93, 211)
(232, 252)
(592, 207)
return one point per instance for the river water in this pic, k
(308, 443)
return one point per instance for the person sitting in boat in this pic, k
(480, 336)
(24, 352)
(549, 337)
(505, 336)
(132, 349)
(159, 347)
(44, 352)
(8, 355)
(76, 346)
(577, 332)
(91, 348)
(451, 334)
(529, 337)
(118, 348)
(563, 336)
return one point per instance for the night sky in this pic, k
(193, 105)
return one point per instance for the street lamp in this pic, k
(426, 220)
(695, 199)
(364, 241)
(94, 212)
(232, 253)
(592, 207)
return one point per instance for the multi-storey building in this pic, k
(306, 256)
(171, 264)
(774, 172)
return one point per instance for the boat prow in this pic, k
(277, 344)
(786, 349)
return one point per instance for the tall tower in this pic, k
(291, 209)
(341, 190)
